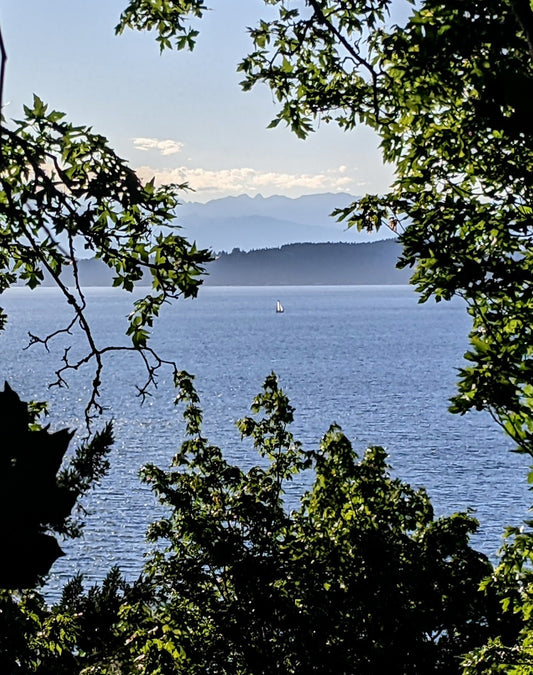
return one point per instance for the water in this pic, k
(369, 358)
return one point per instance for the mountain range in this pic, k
(268, 222)
(276, 241)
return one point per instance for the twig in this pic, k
(353, 52)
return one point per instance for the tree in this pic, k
(447, 90)
(82, 633)
(63, 189)
(512, 580)
(36, 497)
(37, 500)
(446, 85)
(360, 577)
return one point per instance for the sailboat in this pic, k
(279, 307)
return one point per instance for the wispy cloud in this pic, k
(246, 180)
(165, 147)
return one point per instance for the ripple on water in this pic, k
(369, 358)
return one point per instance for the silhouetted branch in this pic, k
(3, 56)
(524, 15)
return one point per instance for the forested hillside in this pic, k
(291, 265)
(310, 264)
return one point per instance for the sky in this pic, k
(178, 117)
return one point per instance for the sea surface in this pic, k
(370, 358)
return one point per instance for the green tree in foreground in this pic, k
(358, 577)
(37, 497)
(447, 87)
(37, 504)
(448, 93)
(63, 191)
(512, 579)
(355, 576)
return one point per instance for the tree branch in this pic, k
(350, 49)
(524, 15)
(3, 55)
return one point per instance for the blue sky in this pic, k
(180, 117)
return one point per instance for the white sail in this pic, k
(279, 307)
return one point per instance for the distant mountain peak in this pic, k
(247, 222)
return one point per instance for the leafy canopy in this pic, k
(446, 85)
(37, 496)
(447, 91)
(355, 576)
(39, 493)
(63, 192)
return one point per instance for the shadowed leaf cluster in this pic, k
(37, 497)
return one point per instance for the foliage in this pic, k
(512, 579)
(80, 634)
(357, 577)
(97, 617)
(446, 86)
(63, 190)
(38, 493)
(360, 577)
(36, 497)
(361, 571)
(448, 91)
(167, 18)
(31, 634)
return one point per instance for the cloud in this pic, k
(165, 147)
(223, 182)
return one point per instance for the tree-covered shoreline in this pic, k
(288, 265)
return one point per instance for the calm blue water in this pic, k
(369, 358)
